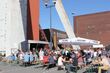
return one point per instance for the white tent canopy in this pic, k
(38, 42)
(98, 46)
(79, 41)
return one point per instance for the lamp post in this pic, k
(50, 7)
(73, 20)
(75, 29)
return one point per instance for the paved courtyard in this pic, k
(14, 68)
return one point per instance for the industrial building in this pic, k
(20, 29)
(19, 21)
(93, 26)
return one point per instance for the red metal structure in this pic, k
(33, 20)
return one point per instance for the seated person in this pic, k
(51, 61)
(105, 63)
(96, 61)
(60, 62)
(70, 67)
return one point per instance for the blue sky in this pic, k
(78, 7)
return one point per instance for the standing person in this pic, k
(80, 59)
(45, 51)
(88, 58)
(85, 56)
(26, 59)
(104, 52)
(41, 54)
(20, 57)
(35, 58)
(99, 52)
(92, 53)
(55, 57)
(95, 54)
(63, 52)
(30, 57)
(74, 58)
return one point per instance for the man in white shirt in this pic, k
(60, 62)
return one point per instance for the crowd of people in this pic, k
(64, 58)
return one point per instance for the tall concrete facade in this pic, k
(94, 26)
(14, 25)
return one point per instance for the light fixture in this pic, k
(46, 2)
(54, 1)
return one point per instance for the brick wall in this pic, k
(93, 26)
